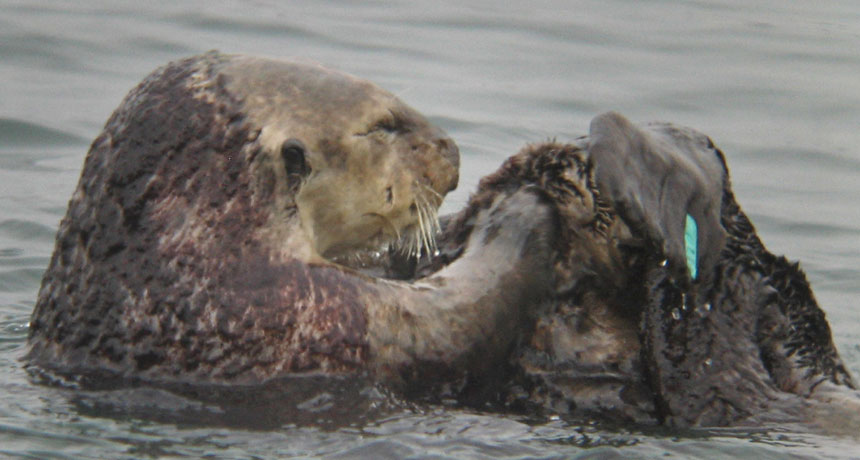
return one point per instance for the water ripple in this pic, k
(25, 279)
(17, 133)
(26, 230)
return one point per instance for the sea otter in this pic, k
(198, 245)
(222, 228)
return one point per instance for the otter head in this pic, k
(365, 169)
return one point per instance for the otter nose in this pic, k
(445, 174)
(449, 151)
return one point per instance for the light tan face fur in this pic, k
(378, 169)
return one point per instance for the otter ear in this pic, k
(293, 152)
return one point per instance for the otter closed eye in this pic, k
(389, 125)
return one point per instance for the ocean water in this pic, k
(774, 83)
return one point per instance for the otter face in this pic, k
(372, 170)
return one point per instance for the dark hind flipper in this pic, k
(655, 177)
(755, 343)
(736, 342)
(699, 316)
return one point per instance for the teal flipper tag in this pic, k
(691, 241)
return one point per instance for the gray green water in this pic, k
(775, 83)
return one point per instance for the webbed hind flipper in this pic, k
(750, 351)
(744, 340)
(657, 177)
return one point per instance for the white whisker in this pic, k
(433, 192)
(422, 234)
(432, 230)
(417, 239)
(427, 210)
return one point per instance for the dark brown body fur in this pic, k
(191, 250)
(139, 297)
